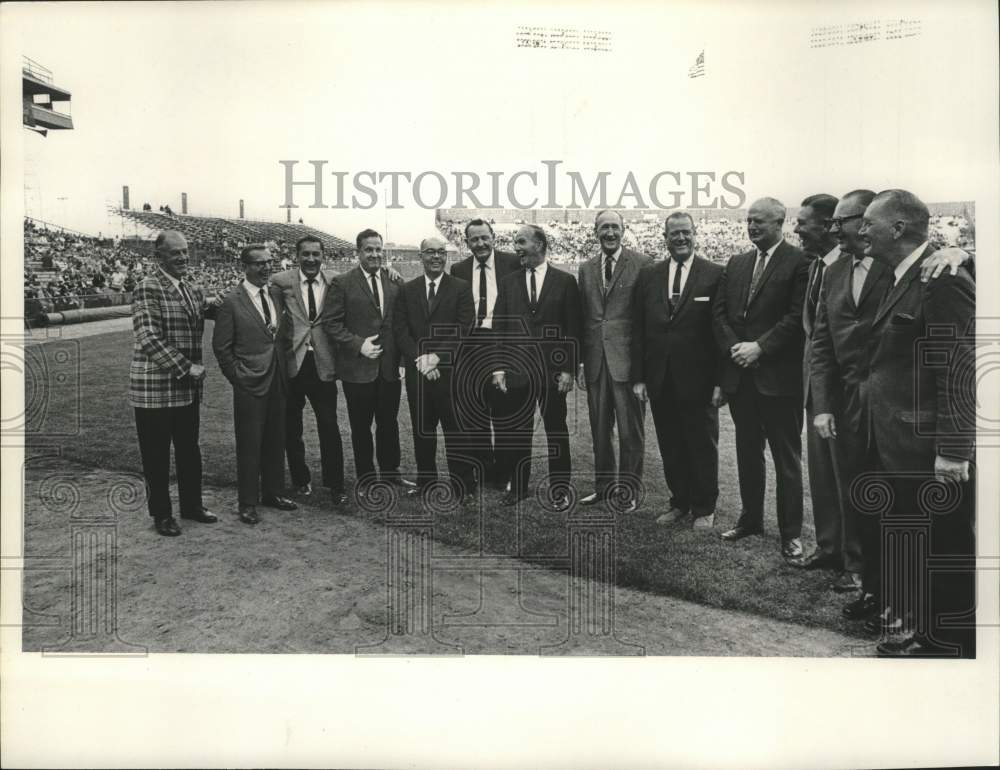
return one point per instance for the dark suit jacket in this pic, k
(678, 339)
(607, 317)
(773, 319)
(249, 355)
(351, 317)
(302, 331)
(438, 327)
(549, 336)
(921, 390)
(840, 341)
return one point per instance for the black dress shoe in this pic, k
(560, 503)
(338, 496)
(884, 622)
(279, 502)
(249, 516)
(594, 498)
(205, 516)
(399, 481)
(912, 647)
(739, 532)
(167, 527)
(861, 608)
(817, 560)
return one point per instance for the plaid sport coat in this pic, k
(168, 335)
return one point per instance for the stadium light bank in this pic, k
(517, 190)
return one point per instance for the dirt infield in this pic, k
(315, 581)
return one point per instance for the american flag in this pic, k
(699, 66)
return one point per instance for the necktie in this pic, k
(430, 293)
(312, 299)
(267, 310)
(534, 295)
(481, 310)
(378, 299)
(857, 281)
(609, 267)
(187, 297)
(817, 284)
(757, 271)
(675, 289)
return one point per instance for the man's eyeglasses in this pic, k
(434, 253)
(839, 221)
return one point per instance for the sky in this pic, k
(206, 99)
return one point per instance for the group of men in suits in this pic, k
(832, 329)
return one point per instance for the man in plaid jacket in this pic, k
(165, 381)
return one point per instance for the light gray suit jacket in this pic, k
(607, 316)
(302, 331)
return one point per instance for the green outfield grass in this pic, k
(88, 418)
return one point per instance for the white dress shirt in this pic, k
(436, 283)
(540, 272)
(491, 288)
(378, 287)
(319, 290)
(684, 267)
(903, 266)
(254, 294)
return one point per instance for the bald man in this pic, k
(433, 313)
(165, 382)
(921, 405)
(758, 314)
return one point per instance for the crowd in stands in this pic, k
(719, 238)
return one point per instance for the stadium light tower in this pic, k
(39, 94)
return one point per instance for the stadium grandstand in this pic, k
(213, 238)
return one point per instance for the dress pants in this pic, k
(260, 442)
(778, 421)
(836, 530)
(323, 397)
(481, 408)
(377, 400)
(157, 430)
(552, 403)
(927, 544)
(431, 404)
(688, 436)
(610, 402)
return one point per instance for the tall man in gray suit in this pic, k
(606, 282)
(311, 369)
(250, 349)
(359, 319)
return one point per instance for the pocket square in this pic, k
(702, 299)
(903, 318)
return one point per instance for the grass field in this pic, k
(76, 396)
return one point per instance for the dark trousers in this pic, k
(376, 401)
(927, 545)
(688, 436)
(323, 398)
(260, 442)
(552, 404)
(432, 404)
(157, 430)
(778, 421)
(481, 409)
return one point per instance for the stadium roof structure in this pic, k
(38, 96)
(214, 229)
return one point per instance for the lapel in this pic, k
(768, 269)
(900, 288)
(362, 278)
(249, 307)
(616, 273)
(168, 287)
(876, 271)
(693, 268)
(297, 296)
(547, 284)
(433, 305)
